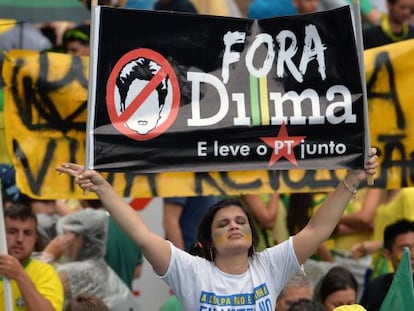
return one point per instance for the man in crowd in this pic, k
(298, 287)
(35, 285)
(397, 236)
(394, 26)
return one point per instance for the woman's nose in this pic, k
(234, 225)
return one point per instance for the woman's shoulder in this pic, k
(281, 249)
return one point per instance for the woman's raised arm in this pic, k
(324, 221)
(155, 248)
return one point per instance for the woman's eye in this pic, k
(222, 224)
(241, 220)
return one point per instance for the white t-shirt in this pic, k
(200, 285)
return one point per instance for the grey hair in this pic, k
(296, 281)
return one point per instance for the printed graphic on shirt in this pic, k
(258, 300)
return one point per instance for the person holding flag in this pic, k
(35, 285)
(397, 236)
(400, 296)
(231, 274)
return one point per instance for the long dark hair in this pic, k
(298, 211)
(336, 279)
(204, 245)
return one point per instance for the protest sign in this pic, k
(45, 109)
(188, 92)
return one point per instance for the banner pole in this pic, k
(8, 298)
(360, 49)
(91, 89)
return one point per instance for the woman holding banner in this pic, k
(231, 275)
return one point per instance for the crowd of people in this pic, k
(283, 252)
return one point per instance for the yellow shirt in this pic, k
(401, 207)
(44, 278)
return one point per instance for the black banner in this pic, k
(187, 92)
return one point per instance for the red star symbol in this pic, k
(283, 146)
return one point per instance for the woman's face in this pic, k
(340, 298)
(231, 230)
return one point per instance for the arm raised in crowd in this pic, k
(155, 248)
(324, 221)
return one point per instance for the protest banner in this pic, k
(225, 94)
(46, 115)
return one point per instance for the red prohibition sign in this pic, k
(118, 119)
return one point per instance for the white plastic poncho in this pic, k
(88, 272)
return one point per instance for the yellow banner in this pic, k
(45, 105)
(389, 74)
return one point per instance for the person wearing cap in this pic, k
(397, 236)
